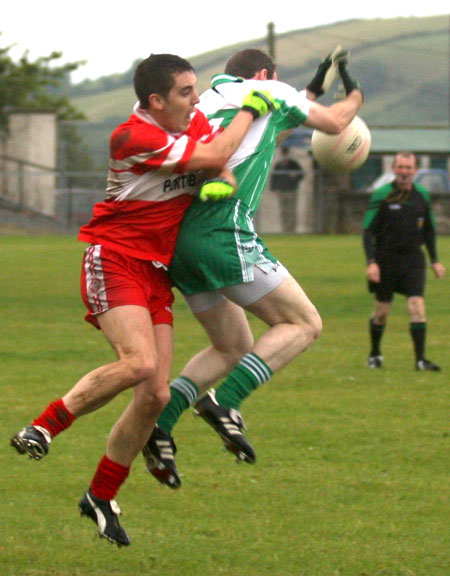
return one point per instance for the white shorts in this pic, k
(265, 281)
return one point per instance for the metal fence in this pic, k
(79, 181)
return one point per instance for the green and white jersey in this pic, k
(251, 162)
(217, 245)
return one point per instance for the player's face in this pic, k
(404, 169)
(180, 102)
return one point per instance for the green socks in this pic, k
(183, 393)
(248, 375)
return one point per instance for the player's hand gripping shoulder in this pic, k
(327, 72)
(259, 103)
(216, 189)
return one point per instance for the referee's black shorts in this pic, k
(401, 274)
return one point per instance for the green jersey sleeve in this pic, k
(375, 202)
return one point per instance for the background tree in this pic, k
(32, 85)
(43, 85)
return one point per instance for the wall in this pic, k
(29, 161)
(268, 218)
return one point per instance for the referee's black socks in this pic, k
(418, 333)
(376, 333)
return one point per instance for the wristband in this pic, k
(252, 111)
(259, 103)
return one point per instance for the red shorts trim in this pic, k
(110, 279)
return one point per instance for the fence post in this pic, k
(319, 204)
(21, 167)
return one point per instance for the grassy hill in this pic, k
(402, 65)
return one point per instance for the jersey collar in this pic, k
(218, 79)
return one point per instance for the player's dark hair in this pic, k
(405, 154)
(156, 75)
(248, 62)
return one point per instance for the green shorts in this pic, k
(217, 246)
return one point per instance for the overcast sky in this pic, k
(110, 36)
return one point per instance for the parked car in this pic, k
(434, 180)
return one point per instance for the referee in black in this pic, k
(399, 220)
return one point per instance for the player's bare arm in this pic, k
(333, 119)
(214, 155)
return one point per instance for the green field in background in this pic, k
(353, 470)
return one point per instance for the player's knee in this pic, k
(380, 317)
(314, 327)
(308, 329)
(141, 369)
(232, 349)
(159, 398)
(152, 400)
(238, 350)
(416, 308)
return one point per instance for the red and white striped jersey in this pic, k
(148, 189)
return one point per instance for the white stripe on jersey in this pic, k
(240, 249)
(155, 185)
(232, 93)
(172, 159)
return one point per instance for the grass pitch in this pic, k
(353, 471)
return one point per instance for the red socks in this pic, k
(55, 418)
(108, 478)
(109, 475)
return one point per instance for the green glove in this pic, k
(349, 83)
(259, 103)
(216, 189)
(327, 72)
